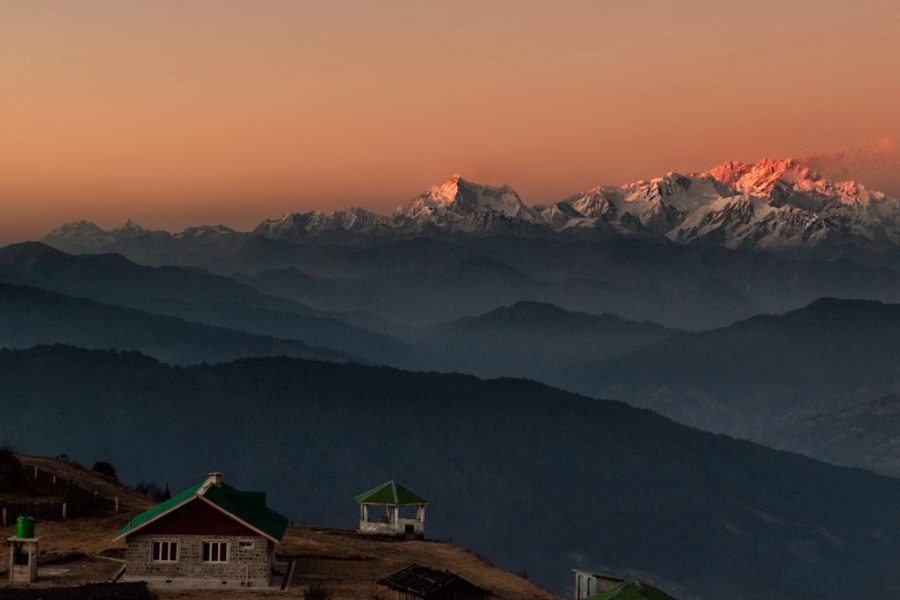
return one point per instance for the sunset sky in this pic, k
(178, 113)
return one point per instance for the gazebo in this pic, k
(394, 499)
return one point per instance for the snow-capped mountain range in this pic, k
(778, 206)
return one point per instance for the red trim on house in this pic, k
(196, 517)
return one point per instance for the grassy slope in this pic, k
(348, 564)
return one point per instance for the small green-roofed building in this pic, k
(209, 535)
(391, 499)
(632, 590)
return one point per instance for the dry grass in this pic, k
(350, 563)
(347, 563)
(107, 487)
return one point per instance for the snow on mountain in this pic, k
(772, 205)
(464, 206)
(791, 182)
(87, 237)
(296, 225)
(779, 206)
(133, 240)
(82, 233)
(460, 197)
(825, 211)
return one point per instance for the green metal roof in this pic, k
(248, 507)
(390, 493)
(632, 590)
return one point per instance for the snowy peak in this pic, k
(461, 198)
(790, 181)
(76, 229)
(779, 206)
(292, 225)
(441, 195)
(595, 203)
(759, 179)
(83, 236)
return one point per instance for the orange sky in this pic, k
(186, 112)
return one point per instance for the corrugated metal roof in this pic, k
(423, 581)
(390, 493)
(248, 508)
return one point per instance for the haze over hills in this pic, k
(434, 282)
(678, 286)
(863, 435)
(756, 376)
(31, 316)
(569, 481)
(532, 340)
(778, 206)
(191, 295)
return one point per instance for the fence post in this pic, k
(4, 515)
(64, 511)
(35, 472)
(117, 504)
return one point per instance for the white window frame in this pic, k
(219, 544)
(170, 546)
(246, 545)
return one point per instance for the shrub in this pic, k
(10, 468)
(105, 468)
(152, 489)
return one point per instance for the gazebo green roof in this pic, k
(390, 493)
(248, 508)
(632, 590)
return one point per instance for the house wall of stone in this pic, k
(251, 565)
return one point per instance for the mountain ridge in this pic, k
(32, 316)
(759, 374)
(192, 295)
(778, 206)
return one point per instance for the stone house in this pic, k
(209, 535)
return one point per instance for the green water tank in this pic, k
(25, 527)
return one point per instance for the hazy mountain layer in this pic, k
(192, 295)
(427, 280)
(864, 435)
(30, 316)
(758, 375)
(532, 340)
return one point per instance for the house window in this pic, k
(164, 551)
(215, 552)
(245, 545)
